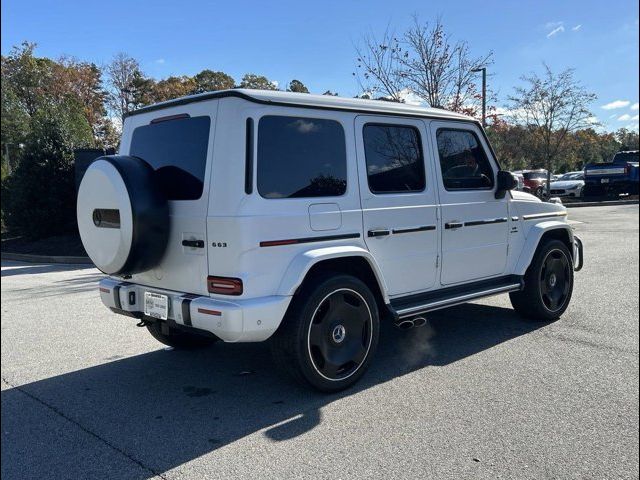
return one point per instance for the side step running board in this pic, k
(413, 305)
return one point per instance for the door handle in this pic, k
(453, 225)
(193, 243)
(378, 233)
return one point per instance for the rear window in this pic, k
(301, 157)
(535, 175)
(177, 151)
(626, 157)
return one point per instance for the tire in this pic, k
(549, 275)
(178, 338)
(123, 215)
(539, 192)
(329, 334)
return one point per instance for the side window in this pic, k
(301, 157)
(394, 158)
(463, 161)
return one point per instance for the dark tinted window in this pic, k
(177, 150)
(535, 175)
(301, 157)
(394, 158)
(463, 161)
(626, 157)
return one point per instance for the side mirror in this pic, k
(506, 181)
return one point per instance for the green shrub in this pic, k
(38, 198)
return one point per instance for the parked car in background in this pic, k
(568, 185)
(534, 181)
(620, 175)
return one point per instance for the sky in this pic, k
(314, 42)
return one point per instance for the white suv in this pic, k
(245, 215)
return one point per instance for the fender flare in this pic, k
(302, 263)
(534, 235)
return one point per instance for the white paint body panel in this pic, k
(233, 223)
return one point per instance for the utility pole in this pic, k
(484, 93)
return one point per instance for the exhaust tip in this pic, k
(405, 324)
(419, 322)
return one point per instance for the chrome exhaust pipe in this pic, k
(419, 322)
(405, 324)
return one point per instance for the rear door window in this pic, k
(393, 154)
(301, 157)
(177, 151)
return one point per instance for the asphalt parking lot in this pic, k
(478, 393)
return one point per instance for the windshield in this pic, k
(572, 176)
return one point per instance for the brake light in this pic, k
(224, 285)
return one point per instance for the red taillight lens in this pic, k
(224, 285)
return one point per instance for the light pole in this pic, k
(484, 93)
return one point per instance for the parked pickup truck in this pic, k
(621, 175)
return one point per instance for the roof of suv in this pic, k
(327, 102)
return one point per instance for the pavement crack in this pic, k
(60, 413)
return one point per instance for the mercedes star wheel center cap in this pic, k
(338, 333)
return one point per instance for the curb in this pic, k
(601, 204)
(25, 257)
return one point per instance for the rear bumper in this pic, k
(251, 320)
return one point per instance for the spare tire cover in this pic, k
(123, 215)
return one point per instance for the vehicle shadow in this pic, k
(165, 408)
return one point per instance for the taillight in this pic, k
(224, 285)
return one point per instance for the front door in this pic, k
(474, 223)
(399, 207)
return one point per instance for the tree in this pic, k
(424, 61)
(38, 199)
(257, 82)
(379, 70)
(628, 139)
(173, 87)
(209, 81)
(552, 106)
(82, 81)
(128, 87)
(297, 86)
(330, 93)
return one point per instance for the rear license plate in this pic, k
(156, 305)
(604, 180)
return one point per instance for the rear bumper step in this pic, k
(240, 320)
(426, 302)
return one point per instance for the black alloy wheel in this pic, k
(340, 334)
(554, 287)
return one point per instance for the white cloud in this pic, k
(552, 25)
(555, 31)
(634, 106)
(160, 61)
(577, 27)
(616, 104)
(624, 118)
(592, 120)
(410, 98)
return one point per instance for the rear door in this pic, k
(398, 195)
(177, 143)
(474, 223)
